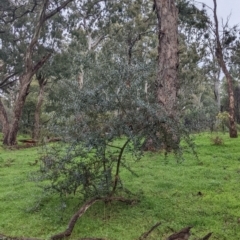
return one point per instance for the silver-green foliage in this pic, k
(105, 120)
(103, 125)
(91, 120)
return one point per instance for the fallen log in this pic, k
(32, 141)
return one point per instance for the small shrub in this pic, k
(222, 121)
(217, 140)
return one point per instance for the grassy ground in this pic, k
(203, 193)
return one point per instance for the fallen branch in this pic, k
(74, 219)
(207, 236)
(82, 210)
(183, 234)
(145, 235)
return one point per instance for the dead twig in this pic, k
(74, 219)
(145, 235)
(207, 236)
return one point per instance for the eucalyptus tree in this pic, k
(196, 98)
(42, 82)
(37, 41)
(228, 38)
(212, 63)
(88, 24)
(180, 26)
(212, 70)
(235, 71)
(127, 30)
(197, 106)
(27, 42)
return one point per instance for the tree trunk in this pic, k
(42, 83)
(217, 90)
(25, 81)
(217, 93)
(4, 122)
(232, 125)
(237, 101)
(168, 61)
(167, 82)
(219, 55)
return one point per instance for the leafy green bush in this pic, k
(222, 121)
(102, 124)
(197, 120)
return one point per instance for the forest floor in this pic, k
(201, 192)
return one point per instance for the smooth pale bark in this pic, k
(42, 84)
(92, 44)
(215, 76)
(220, 58)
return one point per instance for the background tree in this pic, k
(32, 54)
(221, 61)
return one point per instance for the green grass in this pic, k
(203, 193)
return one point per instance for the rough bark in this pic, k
(4, 122)
(168, 61)
(19, 103)
(220, 58)
(42, 83)
(217, 91)
(167, 82)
